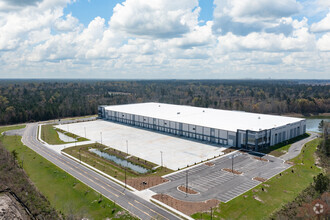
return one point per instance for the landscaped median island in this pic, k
(271, 195)
(50, 135)
(139, 173)
(64, 192)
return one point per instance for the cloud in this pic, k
(324, 3)
(161, 38)
(262, 9)
(322, 26)
(157, 18)
(300, 40)
(67, 24)
(16, 5)
(21, 2)
(323, 44)
(244, 17)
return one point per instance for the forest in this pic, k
(38, 100)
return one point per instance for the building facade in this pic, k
(180, 126)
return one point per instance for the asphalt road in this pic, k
(215, 183)
(126, 199)
(295, 148)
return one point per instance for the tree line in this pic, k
(36, 100)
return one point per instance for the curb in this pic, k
(163, 205)
(99, 171)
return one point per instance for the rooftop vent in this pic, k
(178, 113)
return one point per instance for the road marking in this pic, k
(140, 210)
(78, 172)
(70, 163)
(150, 209)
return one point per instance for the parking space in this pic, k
(160, 148)
(237, 190)
(213, 182)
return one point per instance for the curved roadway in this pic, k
(135, 205)
(296, 147)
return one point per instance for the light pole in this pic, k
(125, 178)
(161, 158)
(127, 146)
(85, 131)
(232, 163)
(101, 137)
(79, 155)
(187, 183)
(211, 214)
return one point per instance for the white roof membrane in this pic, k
(206, 117)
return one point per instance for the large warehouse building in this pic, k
(228, 128)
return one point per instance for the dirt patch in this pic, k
(142, 183)
(244, 151)
(258, 199)
(261, 159)
(260, 179)
(289, 162)
(232, 171)
(210, 164)
(187, 190)
(11, 209)
(187, 208)
(229, 150)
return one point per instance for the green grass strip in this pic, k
(282, 148)
(9, 128)
(279, 190)
(49, 135)
(65, 193)
(111, 168)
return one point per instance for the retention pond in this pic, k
(119, 161)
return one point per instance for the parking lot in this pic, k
(212, 182)
(160, 148)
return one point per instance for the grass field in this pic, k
(278, 191)
(112, 168)
(49, 135)
(282, 148)
(9, 128)
(65, 193)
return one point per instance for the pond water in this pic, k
(312, 124)
(119, 161)
(65, 138)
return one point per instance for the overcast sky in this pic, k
(160, 39)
